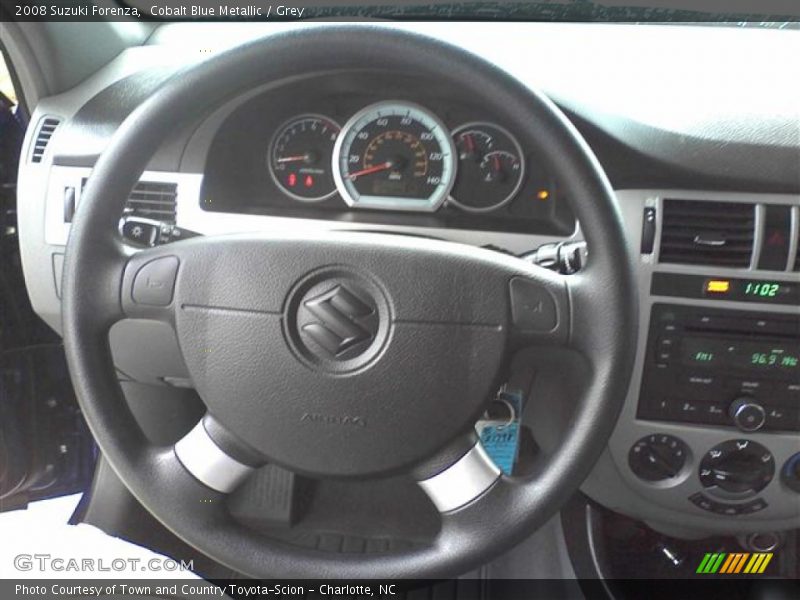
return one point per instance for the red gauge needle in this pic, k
(470, 143)
(286, 159)
(368, 170)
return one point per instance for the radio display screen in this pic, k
(761, 356)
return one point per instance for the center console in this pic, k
(707, 442)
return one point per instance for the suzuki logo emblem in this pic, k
(339, 325)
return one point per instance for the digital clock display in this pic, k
(762, 289)
(751, 290)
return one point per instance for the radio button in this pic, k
(737, 385)
(791, 389)
(782, 418)
(747, 415)
(715, 414)
(687, 410)
(697, 380)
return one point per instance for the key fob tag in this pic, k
(499, 430)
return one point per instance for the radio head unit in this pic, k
(723, 368)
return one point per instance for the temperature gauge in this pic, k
(491, 167)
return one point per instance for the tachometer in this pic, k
(300, 157)
(394, 156)
(491, 167)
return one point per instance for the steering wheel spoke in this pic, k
(215, 457)
(458, 475)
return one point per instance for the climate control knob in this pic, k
(736, 469)
(658, 457)
(747, 414)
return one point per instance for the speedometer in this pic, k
(394, 156)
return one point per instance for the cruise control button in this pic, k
(155, 282)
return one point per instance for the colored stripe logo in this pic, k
(734, 563)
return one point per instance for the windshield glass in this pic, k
(746, 13)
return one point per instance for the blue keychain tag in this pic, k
(499, 433)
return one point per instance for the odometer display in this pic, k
(394, 156)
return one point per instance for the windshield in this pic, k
(746, 13)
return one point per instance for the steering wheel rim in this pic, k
(597, 310)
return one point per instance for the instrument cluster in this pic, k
(397, 155)
(390, 149)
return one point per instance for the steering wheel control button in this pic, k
(658, 457)
(748, 415)
(462, 482)
(736, 469)
(533, 308)
(154, 283)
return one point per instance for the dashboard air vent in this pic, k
(153, 200)
(697, 232)
(47, 127)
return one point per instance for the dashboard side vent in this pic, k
(156, 200)
(696, 232)
(47, 127)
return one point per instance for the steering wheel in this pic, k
(418, 330)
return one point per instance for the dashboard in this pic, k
(707, 441)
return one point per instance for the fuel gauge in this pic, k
(491, 167)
